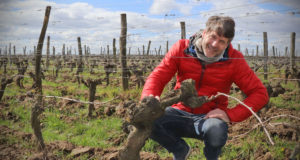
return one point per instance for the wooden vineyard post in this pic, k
(265, 55)
(182, 26)
(53, 52)
(85, 51)
(34, 50)
(143, 50)
(64, 52)
(70, 52)
(79, 50)
(256, 50)
(9, 55)
(48, 52)
(58, 66)
(273, 50)
(239, 47)
(123, 51)
(79, 62)
(108, 51)
(129, 51)
(167, 47)
(5, 64)
(37, 109)
(114, 51)
(292, 52)
(24, 51)
(148, 49)
(85, 54)
(14, 50)
(159, 50)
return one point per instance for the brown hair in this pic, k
(223, 25)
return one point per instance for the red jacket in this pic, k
(209, 79)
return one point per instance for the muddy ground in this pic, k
(23, 145)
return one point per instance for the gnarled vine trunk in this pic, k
(143, 116)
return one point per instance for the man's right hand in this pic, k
(157, 97)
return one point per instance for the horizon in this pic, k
(98, 22)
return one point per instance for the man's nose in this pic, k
(214, 43)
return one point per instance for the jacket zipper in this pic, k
(202, 73)
(201, 78)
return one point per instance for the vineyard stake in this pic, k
(182, 26)
(37, 110)
(123, 52)
(265, 36)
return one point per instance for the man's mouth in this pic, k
(211, 48)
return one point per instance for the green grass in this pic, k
(83, 131)
(282, 103)
(152, 146)
(280, 147)
(96, 133)
(101, 131)
(22, 114)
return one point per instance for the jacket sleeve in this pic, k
(163, 73)
(251, 85)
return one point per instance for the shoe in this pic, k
(183, 154)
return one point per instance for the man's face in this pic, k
(213, 44)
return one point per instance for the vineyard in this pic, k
(78, 106)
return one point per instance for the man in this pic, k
(210, 60)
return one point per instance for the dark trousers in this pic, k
(169, 129)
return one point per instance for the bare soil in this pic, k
(23, 144)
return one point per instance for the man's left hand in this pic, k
(217, 113)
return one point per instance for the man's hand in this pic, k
(217, 113)
(157, 97)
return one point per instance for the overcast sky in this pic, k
(98, 22)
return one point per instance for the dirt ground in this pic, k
(24, 146)
(16, 150)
